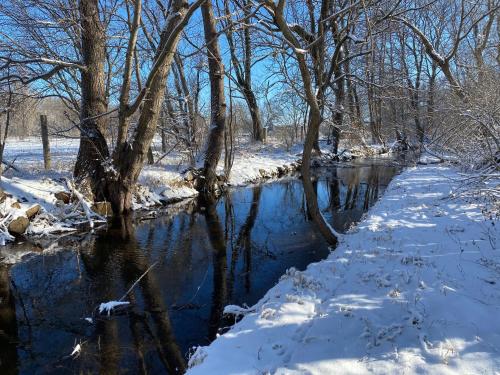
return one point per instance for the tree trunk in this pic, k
(6, 127)
(130, 158)
(45, 141)
(258, 130)
(218, 104)
(151, 159)
(163, 141)
(338, 117)
(89, 171)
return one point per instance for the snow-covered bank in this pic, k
(413, 289)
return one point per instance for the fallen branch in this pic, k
(109, 306)
(10, 165)
(85, 205)
(137, 281)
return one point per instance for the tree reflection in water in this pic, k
(8, 325)
(152, 321)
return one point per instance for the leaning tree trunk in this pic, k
(218, 104)
(313, 128)
(89, 170)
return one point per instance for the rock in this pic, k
(19, 225)
(264, 173)
(63, 196)
(281, 171)
(102, 208)
(16, 205)
(189, 176)
(33, 211)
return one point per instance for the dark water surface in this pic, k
(206, 258)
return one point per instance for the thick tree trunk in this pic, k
(218, 104)
(89, 170)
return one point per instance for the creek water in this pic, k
(203, 258)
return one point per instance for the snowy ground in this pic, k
(27, 156)
(415, 288)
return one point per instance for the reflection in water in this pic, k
(154, 325)
(8, 325)
(210, 255)
(219, 290)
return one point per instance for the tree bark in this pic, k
(89, 170)
(209, 186)
(251, 100)
(45, 141)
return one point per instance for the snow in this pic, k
(236, 310)
(249, 161)
(76, 350)
(108, 307)
(413, 289)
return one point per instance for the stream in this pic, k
(203, 258)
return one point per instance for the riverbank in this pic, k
(414, 288)
(26, 187)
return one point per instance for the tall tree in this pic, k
(242, 61)
(217, 102)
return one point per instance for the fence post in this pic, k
(45, 141)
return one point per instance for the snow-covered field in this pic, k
(414, 289)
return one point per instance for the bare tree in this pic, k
(242, 61)
(213, 151)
